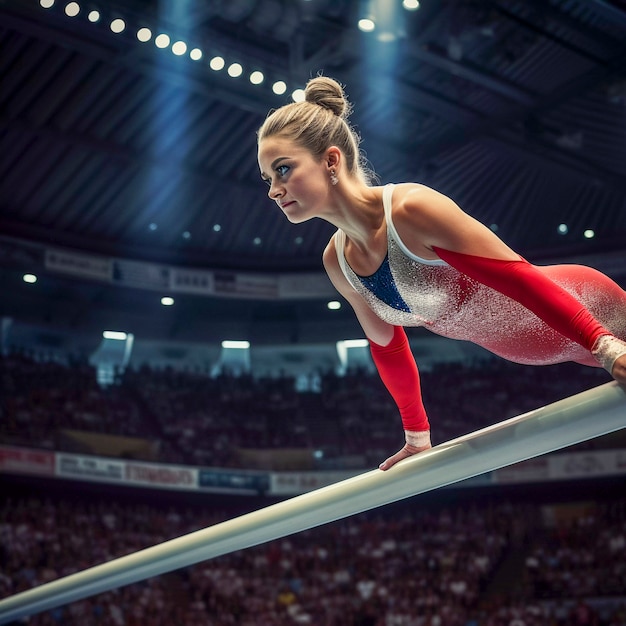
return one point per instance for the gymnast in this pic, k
(407, 255)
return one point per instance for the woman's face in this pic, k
(298, 183)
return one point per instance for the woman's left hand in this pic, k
(407, 451)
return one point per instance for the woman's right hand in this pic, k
(619, 369)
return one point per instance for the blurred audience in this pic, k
(202, 420)
(429, 567)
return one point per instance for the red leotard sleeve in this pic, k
(529, 286)
(398, 371)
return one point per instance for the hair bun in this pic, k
(328, 93)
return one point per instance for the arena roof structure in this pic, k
(128, 131)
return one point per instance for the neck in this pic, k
(358, 211)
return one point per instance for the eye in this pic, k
(282, 170)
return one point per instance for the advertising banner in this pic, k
(233, 482)
(81, 467)
(26, 461)
(161, 476)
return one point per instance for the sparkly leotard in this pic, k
(409, 291)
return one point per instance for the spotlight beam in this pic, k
(584, 416)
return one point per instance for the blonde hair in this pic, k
(317, 123)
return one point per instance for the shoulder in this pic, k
(412, 200)
(420, 216)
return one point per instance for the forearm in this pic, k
(398, 371)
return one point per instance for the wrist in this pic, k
(607, 349)
(418, 438)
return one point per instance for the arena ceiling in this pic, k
(110, 145)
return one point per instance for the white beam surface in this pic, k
(584, 416)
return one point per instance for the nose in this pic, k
(274, 191)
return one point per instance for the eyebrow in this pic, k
(274, 163)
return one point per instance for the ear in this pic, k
(333, 157)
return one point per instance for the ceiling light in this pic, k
(195, 54)
(298, 95)
(334, 305)
(118, 25)
(279, 87)
(217, 63)
(167, 301)
(144, 34)
(562, 229)
(411, 5)
(217, 228)
(115, 334)
(589, 234)
(256, 78)
(29, 278)
(93, 16)
(162, 41)
(179, 48)
(356, 343)
(72, 9)
(366, 25)
(237, 345)
(235, 70)
(46, 4)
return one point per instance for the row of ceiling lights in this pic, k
(216, 63)
(179, 47)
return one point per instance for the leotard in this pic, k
(407, 290)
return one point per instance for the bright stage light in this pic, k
(235, 70)
(162, 41)
(356, 343)
(72, 9)
(179, 48)
(279, 87)
(144, 34)
(366, 25)
(256, 78)
(115, 335)
(217, 63)
(237, 345)
(118, 25)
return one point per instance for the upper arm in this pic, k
(375, 329)
(425, 219)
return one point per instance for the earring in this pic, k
(333, 178)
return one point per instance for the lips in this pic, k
(286, 204)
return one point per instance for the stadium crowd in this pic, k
(500, 563)
(202, 420)
(436, 565)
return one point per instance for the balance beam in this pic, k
(580, 417)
